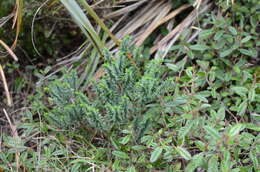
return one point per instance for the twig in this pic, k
(9, 50)
(32, 27)
(15, 136)
(17, 21)
(4, 20)
(7, 93)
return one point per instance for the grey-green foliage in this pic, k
(127, 94)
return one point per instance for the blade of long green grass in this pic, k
(98, 20)
(18, 20)
(83, 22)
(91, 66)
(90, 69)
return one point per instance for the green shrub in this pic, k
(128, 94)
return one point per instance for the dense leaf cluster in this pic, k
(130, 91)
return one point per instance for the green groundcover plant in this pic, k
(197, 110)
(199, 113)
(128, 94)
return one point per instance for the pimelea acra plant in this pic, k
(127, 95)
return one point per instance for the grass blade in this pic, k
(98, 20)
(83, 22)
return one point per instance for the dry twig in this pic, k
(7, 93)
(15, 136)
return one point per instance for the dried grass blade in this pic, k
(9, 50)
(147, 14)
(185, 23)
(125, 10)
(99, 21)
(7, 93)
(18, 20)
(15, 136)
(163, 12)
(5, 19)
(83, 22)
(159, 22)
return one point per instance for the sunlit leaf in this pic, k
(254, 157)
(213, 164)
(195, 162)
(245, 39)
(212, 132)
(156, 154)
(249, 52)
(120, 154)
(184, 153)
(232, 30)
(242, 91)
(173, 67)
(199, 47)
(131, 169)
(242, 108)
(226, 52)
(234, 130)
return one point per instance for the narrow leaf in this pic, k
(235, 130)
(173, 67)
(242, 91)
(242, 108)
(226, 52)
(184, 153)
(201, 98)
(212, 132)
(196, 162)
(199, 47)
(252, 126)
(120, 154)
(232, 30)
(247, 38)
(213, 164)
(206, 33)
(221, 113)
(156, 154)
(246, 52)
(218, 35)
(254, 158)
(131, 169)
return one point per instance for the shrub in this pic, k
(128, 94)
